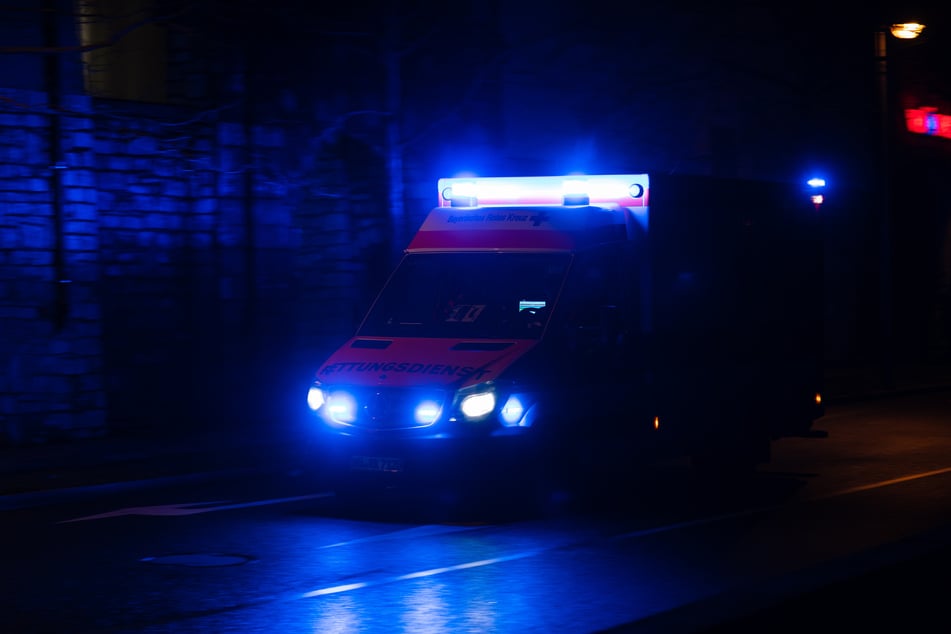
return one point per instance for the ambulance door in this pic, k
(599, 325)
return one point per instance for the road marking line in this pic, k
(193, 508)
(759, 509)
(883, 483)
(419, 574)
(633, 534)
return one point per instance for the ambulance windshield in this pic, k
(468, 295)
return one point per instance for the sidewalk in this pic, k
(132, 458)
(137, 456)
(849, 383)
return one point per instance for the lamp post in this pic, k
(905, 31)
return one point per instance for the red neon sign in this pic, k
(928, 121)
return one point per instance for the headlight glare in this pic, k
(341, 407)
(477, 405)
(315, 398)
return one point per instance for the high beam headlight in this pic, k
(478, 405)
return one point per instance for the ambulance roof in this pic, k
(536, 213)
(520, 228)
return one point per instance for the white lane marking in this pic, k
(193, 508)
(422, 573)
(633, 534)
(335, 589)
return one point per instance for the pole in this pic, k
(884, 210)
(394, 146)
(60, 308)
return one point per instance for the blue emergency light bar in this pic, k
(626, 190)
(816, 184)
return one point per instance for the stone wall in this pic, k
(164, 274)
(51, 339)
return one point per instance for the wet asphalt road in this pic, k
(267, 550)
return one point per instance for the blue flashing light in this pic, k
(931, 123)
(513, 411)
(341, 407)
(462, 194)
(427, 412)
(816, 184)
(626, 190)
(575, 192)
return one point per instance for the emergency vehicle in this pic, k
(576, 325)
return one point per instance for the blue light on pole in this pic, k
(816, 186)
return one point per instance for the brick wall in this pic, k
(165, 274)
(51, 373)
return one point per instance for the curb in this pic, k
(42, 497)
(47, 474)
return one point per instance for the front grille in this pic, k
(393, 408)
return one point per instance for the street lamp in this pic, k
(904, 31)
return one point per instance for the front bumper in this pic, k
(428, 459)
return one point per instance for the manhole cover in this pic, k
(200, 560)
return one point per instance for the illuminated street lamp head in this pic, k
(907, 30)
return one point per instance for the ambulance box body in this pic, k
(581, 324)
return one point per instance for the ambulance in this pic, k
(576, 326)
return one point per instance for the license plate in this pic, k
(373, 463)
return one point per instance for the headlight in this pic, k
(334, 407)
(315, 397)
(477, 405)
(510, 409)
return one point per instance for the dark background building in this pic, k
(199, 197)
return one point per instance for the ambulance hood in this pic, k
(405, 362)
